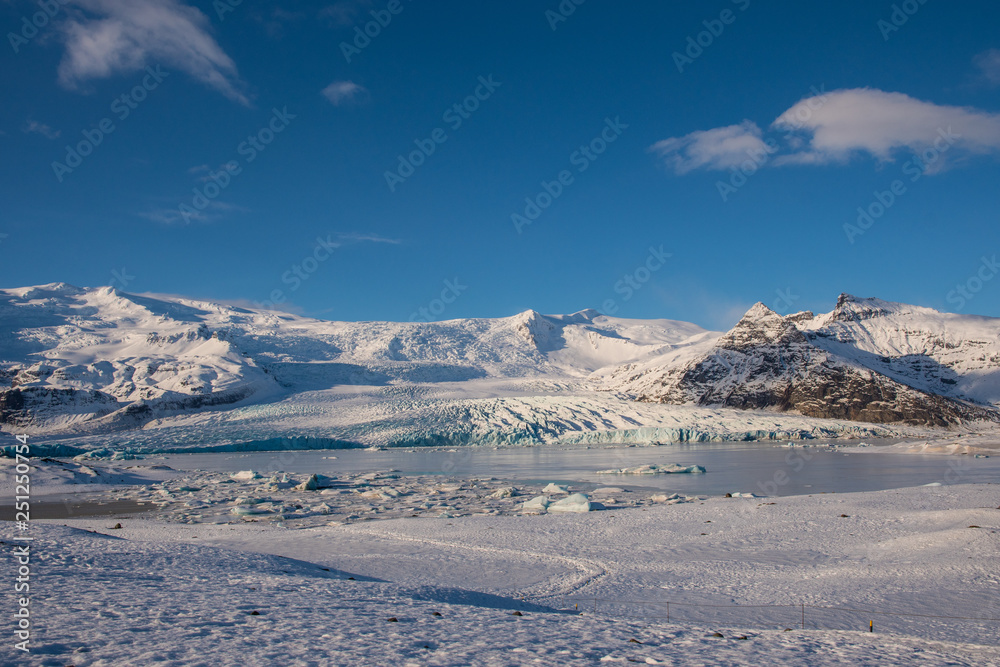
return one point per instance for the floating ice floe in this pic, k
(246, 476)
(556, 488)
(653, 469)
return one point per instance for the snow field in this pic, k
(156, 593)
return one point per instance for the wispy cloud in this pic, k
(988, 63)
(354, 237)
(34, 127)
(721, 148)
(215, 210)
(837, 126)
(344, 92)
(276, 21)
(108, 37)
(345, 12)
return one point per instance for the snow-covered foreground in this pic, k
(154, 593)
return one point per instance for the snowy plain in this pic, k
(161, 593)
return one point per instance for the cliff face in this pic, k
(868, 360)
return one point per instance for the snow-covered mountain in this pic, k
(85, 363)
(90, 358)
(867, 360)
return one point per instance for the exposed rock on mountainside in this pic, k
(843, 365)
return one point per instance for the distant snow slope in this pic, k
(81, 365)
(97, 360)
(867, 360)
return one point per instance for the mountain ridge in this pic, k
(90, 360)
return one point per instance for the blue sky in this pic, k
(686, 159)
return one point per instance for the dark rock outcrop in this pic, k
(767, 362)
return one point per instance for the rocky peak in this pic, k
(534, 328)
(761, 326)
(853, 309)
(803, 316)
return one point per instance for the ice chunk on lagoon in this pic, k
(311, 484)
(247, 510)
(556, 488)
(576, 502)
(654, 469)
(538, 504)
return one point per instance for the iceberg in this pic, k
(311, 484)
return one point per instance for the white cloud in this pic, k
(988, 63)
(344, 92)
(121, 36)
(216, 210)
(836, 126)
(35, 127)
(842, 123)
(720, 148)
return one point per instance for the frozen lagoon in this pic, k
(325, 582)
(763, 469)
